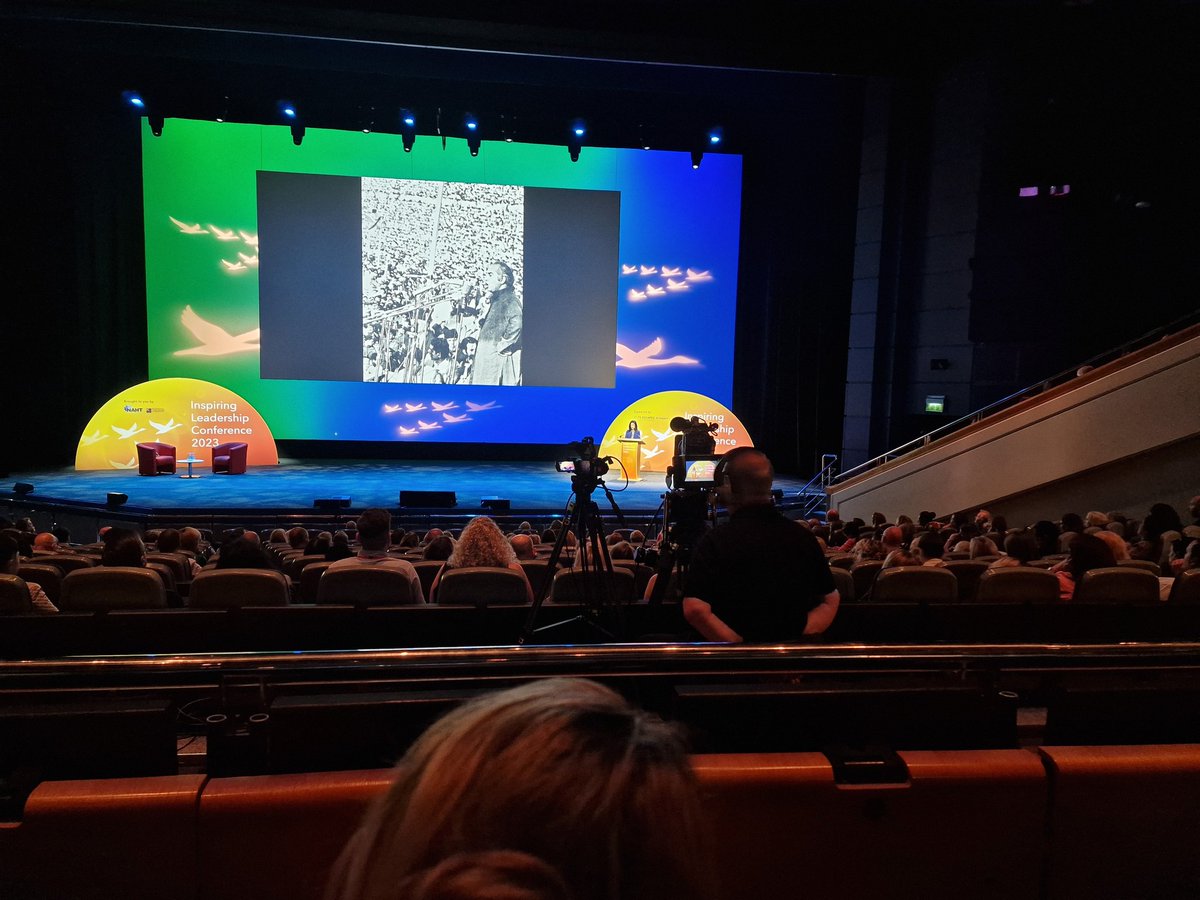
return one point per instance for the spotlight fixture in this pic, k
(297, 133)
(223, 115)
(697, 155)
(575, 136)
(471, 124)
(287, 110)
(408, 129)
(134, 99)
(156, 123)
(716, 135)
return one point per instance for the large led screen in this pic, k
(352, 291)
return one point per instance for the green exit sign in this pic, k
(935, 403)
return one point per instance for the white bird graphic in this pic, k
(449, 418)
(649, 270)
(126, 433)
(650, 454)
(636, 295)
(414, 407)
(476, 407)
(222, 234)
(389, 408)
(629, 270)
(652, 291)
(694, 275)
(185, 228)
(673, 285)
(670, 270)
(646, 357)
(663, 435)
(251, 239)
(248, 259)
(94, 438)
(407, 431)
(132, 464)
(233, 266)
(214, 340)
(163, 429)
(428, 426)
(438, 407)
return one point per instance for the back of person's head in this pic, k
(439, 548)
(125, 549)
(1086, 552)
(1022, 546)
(925, 516)
(621, 550)
(614, 537)
(10, 554)
(564, 773)
(278, 536)
(983, 546)
(410, 540)
(1072, 523)
(868, 549)
(482, 543)
(898, 558)
(637, 537)
(549, 536)
(929, 545)
(297, 537)
(168, 540)
(374, 528)
(45, 541)
(243, 553)
(522, 545)
(189, 539)
(892, 537)
(62, 533)
(1116, 543)
(746, 475)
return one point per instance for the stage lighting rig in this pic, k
(575, 136)
(297, 133)
(156, 123)
(471, 124)
(697, 156)
(408, 129)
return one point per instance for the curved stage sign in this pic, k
(653, 414)
(192, 415)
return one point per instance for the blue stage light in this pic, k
(133, 98)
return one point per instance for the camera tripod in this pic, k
(583, 519)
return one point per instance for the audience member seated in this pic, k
(45, 542)
(1020, 548)
(867, 550)
(928, 548)
(891, 539)
(374, 535)
(339, 547)
(621, 550)
(983, 546)
(1116, 543)
(297, 538)
(244, 552)
(760, 576)
(169, 541)
(123, 547)
(522, 545)
(1085, 552)
(439, 548)
(482, 544)
(552, 790)
(899, 558)
(190, 541)
(319, 545)
(10, 564)
(278, 536)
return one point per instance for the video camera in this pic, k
(586, 466)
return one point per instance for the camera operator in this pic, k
(761, 576)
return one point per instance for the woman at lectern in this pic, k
(632, 433)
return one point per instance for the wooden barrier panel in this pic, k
(120, 837)
(1124, 822)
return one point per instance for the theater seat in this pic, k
(844, 582)
(155, 458)
(1117, 584)
(1186, 588)
(361, 586)
(230, 458)
(113, 587)
(310, 581)
(48, 577)
(915, 584)
(864, 575)
(1017, 584)
(573, 586)
(14, 596)
(480, 586)
(230, 588)
(967, 572)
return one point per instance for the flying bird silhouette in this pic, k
(629, 270)
(94, 438)
(222, 234)
(251, 239)
(428, 426)
(650, 454)
(476, 407)
(647, 357)
(132, 464)
(214, 340)
(233, 266)
(654, 291)
(449, 418)
(414, 407)
(649, 270)
(389, 408)
(438, 407)
(673, 285)
(663, 435)
(185, 228)
(694, 275)
(248, 259)
(126, 433)
(163, 429)
(636, 295)
(670, 270)
(407, 431)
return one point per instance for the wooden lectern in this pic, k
(631, 457)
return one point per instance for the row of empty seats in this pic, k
(1004, 824)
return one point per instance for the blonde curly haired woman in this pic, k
(552, 790)
(481, 543)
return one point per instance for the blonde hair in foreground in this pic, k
(561, 773)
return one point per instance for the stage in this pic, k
(283, 494)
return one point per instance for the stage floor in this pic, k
(533, 487)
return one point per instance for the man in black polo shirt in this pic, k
(760, 577)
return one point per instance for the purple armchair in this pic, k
(230, 459)
(155, 459)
